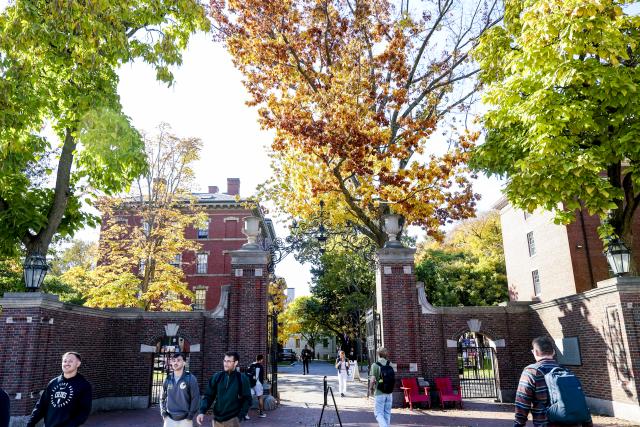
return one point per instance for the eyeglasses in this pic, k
(228, 360)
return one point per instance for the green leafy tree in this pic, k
(58, 63)
(343, 289)
(468, 269)
(298, 318)
(562, 86)
(79, 253)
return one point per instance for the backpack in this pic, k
(567, 402)
(251, 373)
(387, 381)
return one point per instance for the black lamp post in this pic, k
(35, 268)
(619, 257)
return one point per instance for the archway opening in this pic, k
(477, 366)
(165, 347)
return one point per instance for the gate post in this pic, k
(248, 303)
(397, 303)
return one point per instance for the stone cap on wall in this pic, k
(624, 284)
(249, 257)
(396, 255)
(17, 300)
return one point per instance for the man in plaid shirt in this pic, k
(532, 395)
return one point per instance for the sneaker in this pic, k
(341, 394)
(246, 417)
(262, 415)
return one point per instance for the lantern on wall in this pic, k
(618, 256)
(35, 268)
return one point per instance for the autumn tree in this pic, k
(140, 262)
(562, 128)
(355, 91)
(298, 318)
(468, 268)
(58, 68)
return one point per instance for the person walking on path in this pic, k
(256, 379)
(532, 394)
(180, 395)
(342, 365)
(66, 402)
(230, 393)
(307, 355)
(5, 409)
(383, 401)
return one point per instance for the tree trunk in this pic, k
(39, 243)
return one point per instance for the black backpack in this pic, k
(387, 381)
(251, 373)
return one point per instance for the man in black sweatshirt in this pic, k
(229, 392)
(66, 402)
(5, 412)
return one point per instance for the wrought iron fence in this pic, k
(476, 370)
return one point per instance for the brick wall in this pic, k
(37, 329)
(605, 320)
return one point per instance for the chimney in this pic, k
(213, 189)
(233, 186)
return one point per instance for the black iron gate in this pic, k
(159, 372)
(476, 369)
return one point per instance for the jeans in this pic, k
(382, 409)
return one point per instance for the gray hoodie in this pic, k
(180, 400)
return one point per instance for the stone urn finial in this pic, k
(392, 227)
(251, 230)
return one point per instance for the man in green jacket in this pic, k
(230, 393)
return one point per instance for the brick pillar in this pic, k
(397, 303)
(248, 304)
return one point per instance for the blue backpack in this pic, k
(567, 403)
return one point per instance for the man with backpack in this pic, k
(230, 393)
(256, 379)
(552, 394)
(306, 355)
(383, 380)
(180, 395)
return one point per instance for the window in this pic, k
(531, 243)
(535, 276)
(199, 302)
(325, 343)
(201, 264)
(121, 220)
(143, 264)
(203, 233)
(297, 342)
(177, 261)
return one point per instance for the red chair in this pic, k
(412, 393)
(447, 392)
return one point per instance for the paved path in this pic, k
(301, 404)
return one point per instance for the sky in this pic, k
(208, 101)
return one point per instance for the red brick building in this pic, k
(209, 268)
(546, 261)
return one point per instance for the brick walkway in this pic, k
(301, 405)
